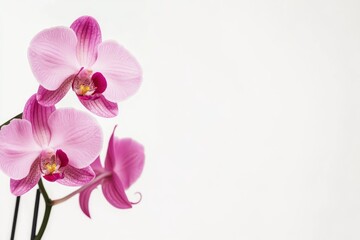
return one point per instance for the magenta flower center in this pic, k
(52, 163)
(87, 83)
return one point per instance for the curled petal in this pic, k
(114, 192)
(139, 200)
(76, 177)
(121, 70)
(88, 33)
(99, 105)
(38, 115)
(20, 187)
(129, 160)
(52, 56)
(18, 148)
(84, 199)
(76, 133)
(50, 98)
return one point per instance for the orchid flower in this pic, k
(123, 166)
(58, 145)
(100, 73)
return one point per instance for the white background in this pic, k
(249, 113)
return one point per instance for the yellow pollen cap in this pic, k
(84, 89)
(51, 167)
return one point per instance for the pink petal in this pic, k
(114, 192)
(110, 154)
(76, 177)
(97, 167)
(38, 116)
(49, 98)
(99, 105)
(89, 37)
(78, 134)
(121, 70)
(18, 148)
(84, 197)
(20, 187)
(125, 158)
(52, 56)
(129, 160)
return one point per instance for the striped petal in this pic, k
(114, 192)
(99, 105)
(38, 116)
(48, 98)
(76, 177)
(84, 198)
(88, 33)
(20, 187)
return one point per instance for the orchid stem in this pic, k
(6, 123)
(15, 217)
(95, 180)
(36, 212)
(48, 207)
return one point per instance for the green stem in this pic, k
(6, 123)
(43, 192)
(48, 207)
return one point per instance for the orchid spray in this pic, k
(63, 145)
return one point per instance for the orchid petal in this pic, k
(110, 154)
(88, 33)
(18, 148)
(52, 56)
(99, 105)
(97, 167)
(76, 177)
(49, 98)
(129, 160)
(38, 116)
(121, 70)
(20, 187)
(114, 192)
(84, 197)
(76, 133)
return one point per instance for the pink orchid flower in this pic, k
(58, 145)
(100, 73)
(123, 166)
